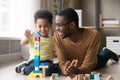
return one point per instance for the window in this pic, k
(4, 14)
(9, 17)
(16, 16)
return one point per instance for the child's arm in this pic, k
(24, 42)
(28, 36)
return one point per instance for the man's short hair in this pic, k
(70, 15)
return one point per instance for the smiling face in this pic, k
(62, 27)
(43, 26)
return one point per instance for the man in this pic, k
(76, 47)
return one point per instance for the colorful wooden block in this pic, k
(35, 75)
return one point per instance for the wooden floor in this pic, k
(7, 72)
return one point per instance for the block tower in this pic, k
(37, 73)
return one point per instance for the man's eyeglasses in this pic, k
(61, 24)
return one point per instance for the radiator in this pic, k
(10, 49)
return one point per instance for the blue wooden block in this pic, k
(36, 57)
(39, 71)
(42, 64)
(37, 34)
(36, 61)
(91, 76)
(96, 77)
(56, 75)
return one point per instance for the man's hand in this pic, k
(71, 67)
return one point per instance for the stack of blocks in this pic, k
(37, 73)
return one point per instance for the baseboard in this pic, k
(10, 57)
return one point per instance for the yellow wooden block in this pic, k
(36, 53)
(35, 75)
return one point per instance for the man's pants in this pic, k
(103, 58)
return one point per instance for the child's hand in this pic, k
(28, 34)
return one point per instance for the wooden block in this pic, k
(35, 75)
(43, 69)
(96, 77)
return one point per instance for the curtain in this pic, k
(46, 4)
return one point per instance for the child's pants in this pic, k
(52, 68)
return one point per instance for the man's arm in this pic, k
(90, 60)
(59, 53)
(67, 67)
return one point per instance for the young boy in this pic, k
(43, 24)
